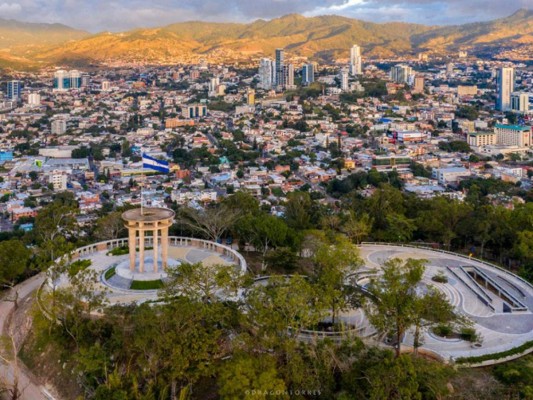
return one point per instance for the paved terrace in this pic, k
(499, 330)
(180, 249)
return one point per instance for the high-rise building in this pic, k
(250, 97)
(85, 80)
(288, 76)
(66, 80)
(505, 78)
(400, 73)
(75, 79)
(513, 135)
(280, 63)
(61, 80)
(522, 102)
(308, 74)
(355, 60)
(449, 68)
(34, 99)
(344, 80)
(13, 90)
(418, 86)
(59, 127)
(194, 111)
(267, 73)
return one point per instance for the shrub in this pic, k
(110, 273)
(443, 330)
(147, 285)
(119, 251)
(440, 277)
(78, 266)
(495, 356)
(468, 334)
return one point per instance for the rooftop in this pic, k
(514, 127)
(148, 214)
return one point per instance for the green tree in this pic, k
(298, 210)
(429, 310)
(110, 226)
(54, 225)
(265, 232)
(211, 222)
(396, 301)
(357, 228)
(202, 282)
(14, 259)
(251, 377)
(335, 263)
(283, 307)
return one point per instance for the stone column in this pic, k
(156, 247)
(164, 247)
(141, 250)
(131, 241)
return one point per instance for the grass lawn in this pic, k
(147, 285)
(110, 273)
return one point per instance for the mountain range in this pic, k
(321, 38)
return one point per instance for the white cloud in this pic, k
(10, 9)
(117, 15)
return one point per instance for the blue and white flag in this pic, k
(155, 164)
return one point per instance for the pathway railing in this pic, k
(174, 241)
(525, 282)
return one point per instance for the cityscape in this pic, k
(303, 206)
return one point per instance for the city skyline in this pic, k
(96, 15)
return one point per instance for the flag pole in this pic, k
(142, 184)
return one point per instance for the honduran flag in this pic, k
(155, 164)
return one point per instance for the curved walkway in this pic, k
(29, 386)
(500, 331)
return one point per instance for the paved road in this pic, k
(32, 390)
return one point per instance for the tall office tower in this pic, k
(280, 63)
(288, 76)
(344, 80)
(13, 90)
(75, 79)
(505, 79)
(266, 73)
(85, 80)
(355, 60)
(418, 86)
(449, 68)
(522, 102)
(400, 73)
(308, 74)
(34, 99)
(61, 80)
(213, 84)
(250, 97)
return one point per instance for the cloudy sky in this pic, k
(116, 15)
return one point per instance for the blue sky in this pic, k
(117, 15)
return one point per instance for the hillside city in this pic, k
(270, 131)
(272, 226)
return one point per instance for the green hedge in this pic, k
(147, 285)
(78, 266)
(119, 251)
(495, 356)
(110, 273)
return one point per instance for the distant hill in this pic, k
(510, 31)
(20, 40)
(321, 38)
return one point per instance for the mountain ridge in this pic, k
(324, 37)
